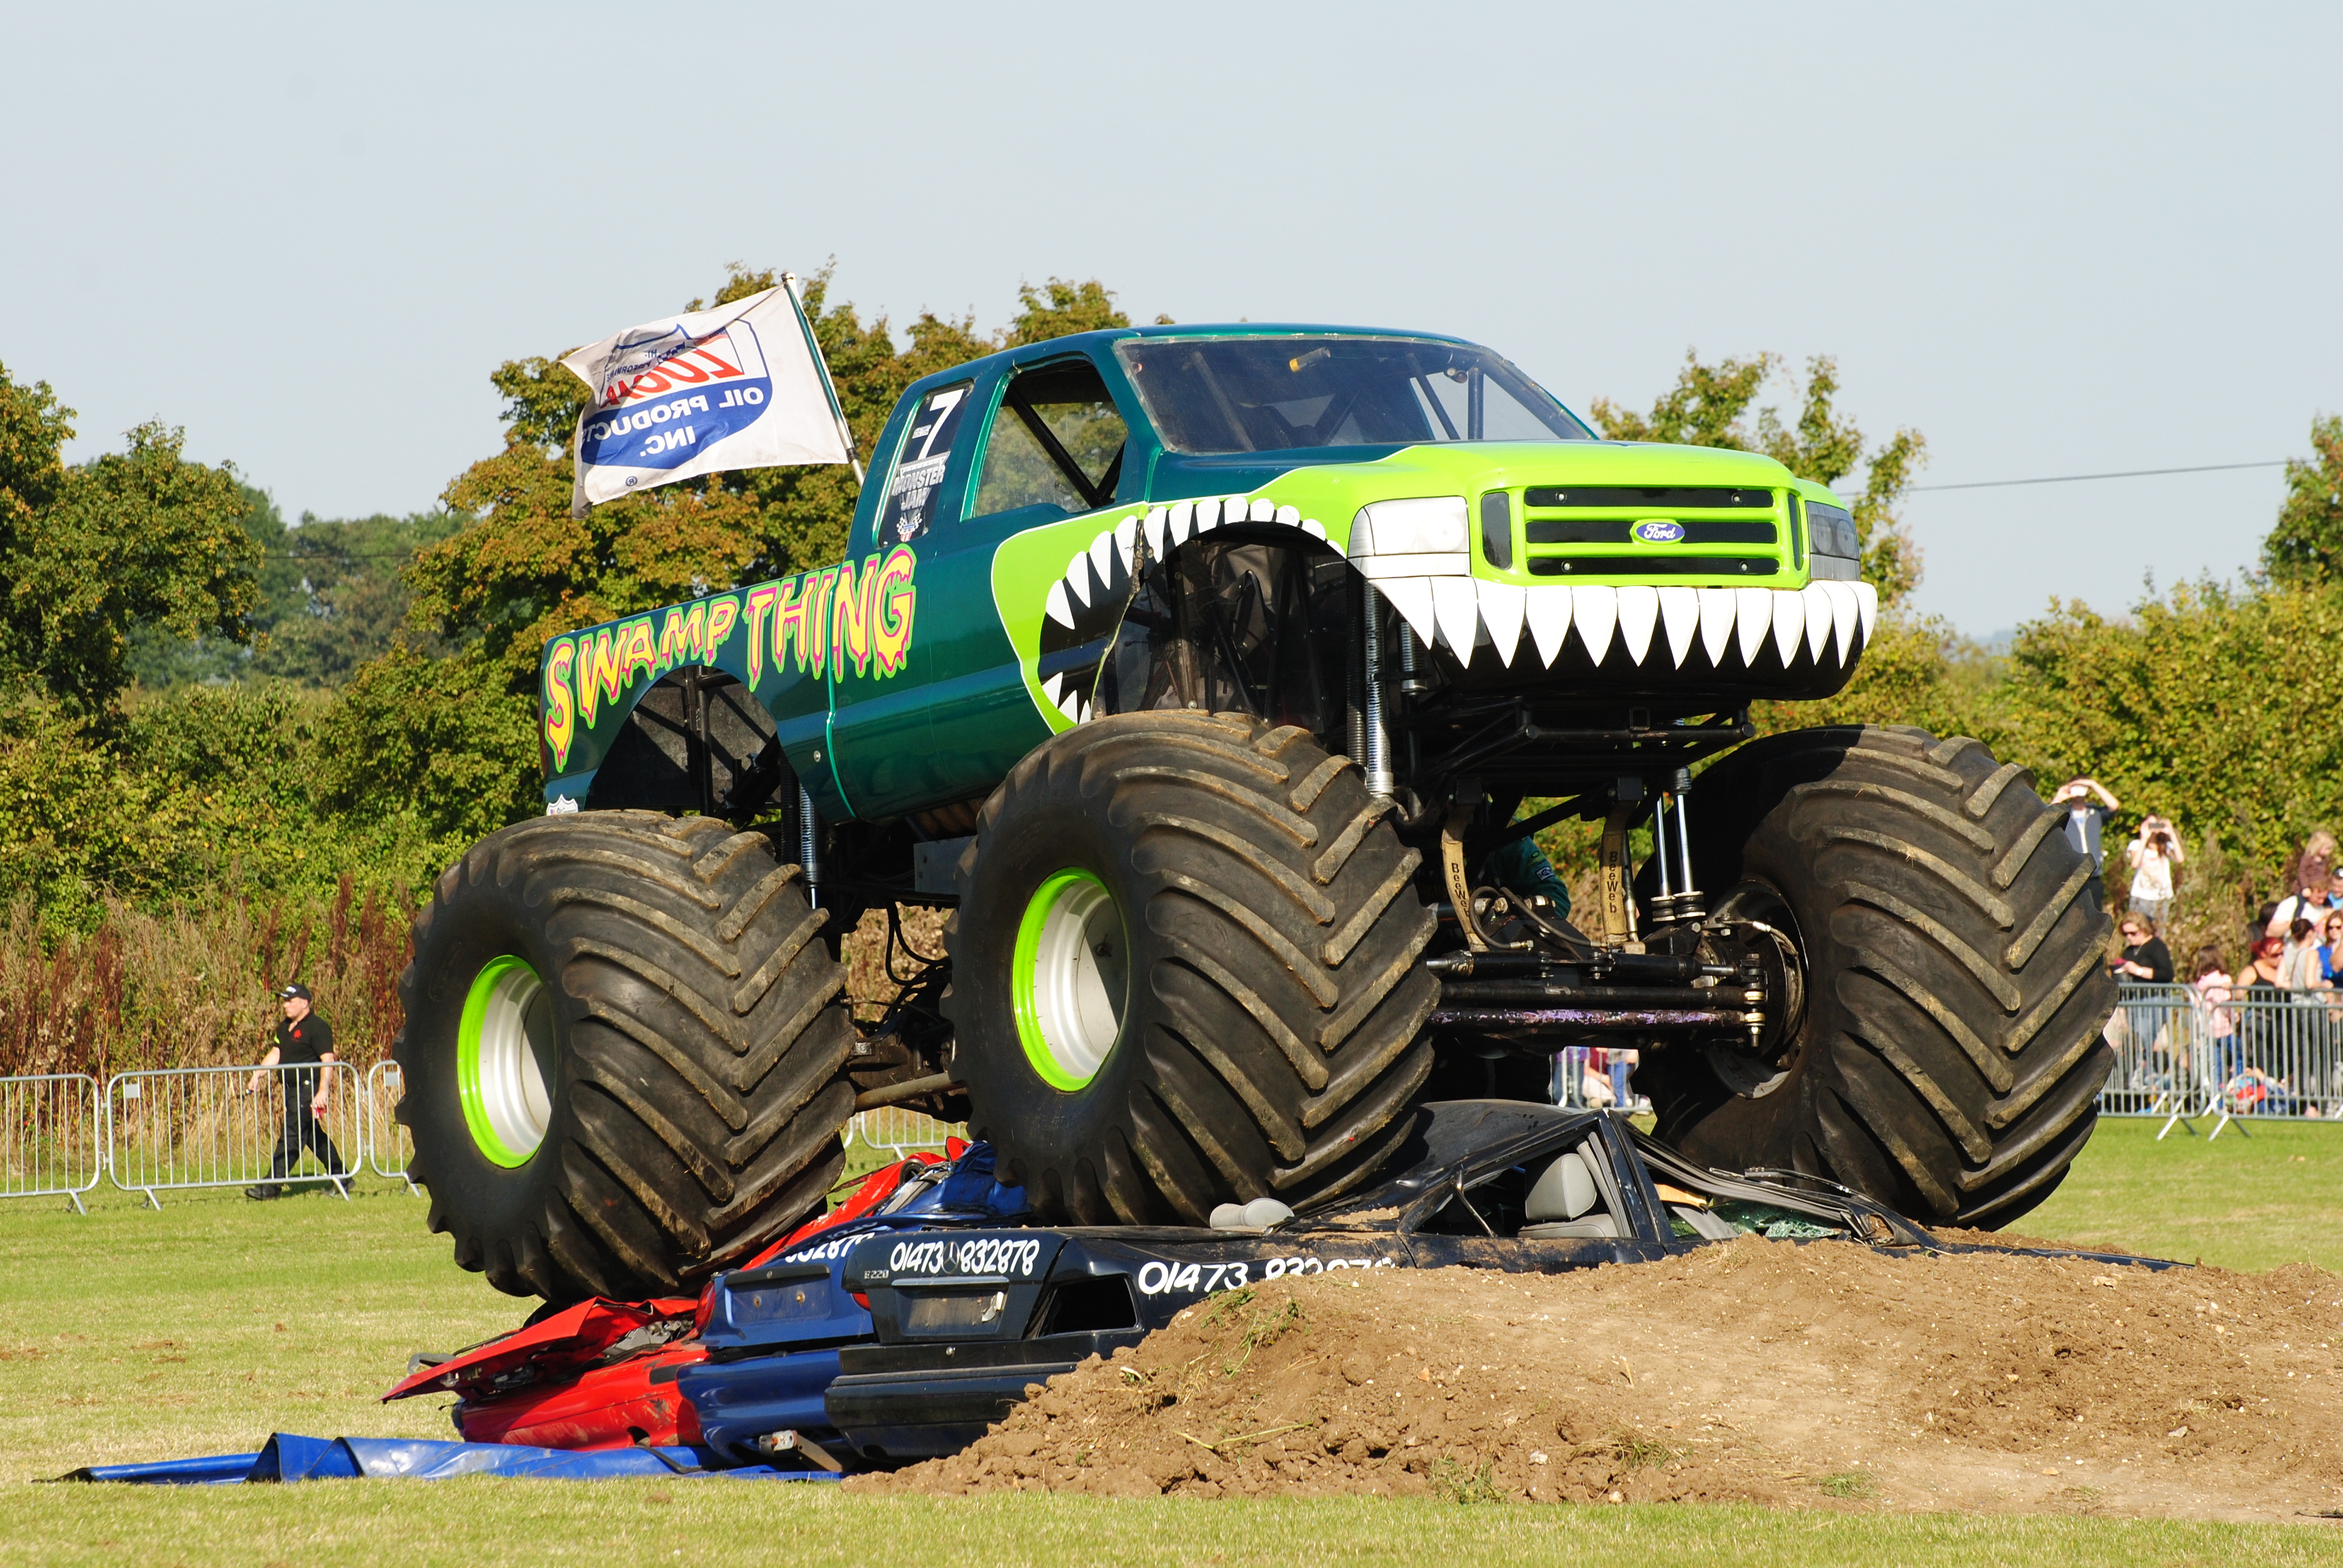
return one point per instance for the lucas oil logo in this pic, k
(1659, 531)
(669, 392)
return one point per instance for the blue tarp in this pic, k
(289, 1457)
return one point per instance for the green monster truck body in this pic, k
(916, 671)
(1205, 670)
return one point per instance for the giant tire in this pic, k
(1956, 988)
(688, 1037)
(1269, 1039)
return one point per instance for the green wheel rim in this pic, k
(1069, 977)
(501, 1047)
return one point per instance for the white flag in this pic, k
(739, 387)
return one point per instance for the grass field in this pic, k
(132, 1334)
(2252, 1202)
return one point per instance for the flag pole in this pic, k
(845, 431)
(580, 507)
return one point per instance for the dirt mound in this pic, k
(1753, 1370)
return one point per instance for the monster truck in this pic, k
(1203, 673)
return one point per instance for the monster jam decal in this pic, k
(920, 471)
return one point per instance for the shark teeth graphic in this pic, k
(1639, 612)
(1680, 610)
(1167, 527)
(1789, 624)
(1503, 608)
(1083, 606)
(1753, 614)
(1662, 627)
(1829, 622)
(1549, 619)
(1595, 611)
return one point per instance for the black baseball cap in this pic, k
(296, 988)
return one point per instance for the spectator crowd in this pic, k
(2227, 1034)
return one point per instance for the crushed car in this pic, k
(915, 1315)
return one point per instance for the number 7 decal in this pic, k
(938, 406)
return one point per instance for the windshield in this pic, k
(1273, 394)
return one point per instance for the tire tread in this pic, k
(1283, 1039)
(1959, 1031)
(696, 1106)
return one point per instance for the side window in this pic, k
(919, 467)
(1020, 472)
(1058, 440)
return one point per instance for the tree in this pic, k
(34, 429)
(2208, 705)
(1061, 308)
(142, 537)
(332, 594)
(1704, 408)
(159, 657)
(442, 739)
(2307, 545)
(348, 597)
(90, 554)
(1708, 405)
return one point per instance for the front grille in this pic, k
(1646, 496)
(1615, 531)
(1653, 566)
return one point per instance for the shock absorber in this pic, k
(809, 846)
(1380, 784)
(1672, 810)
(1664, 903)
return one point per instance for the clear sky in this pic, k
(2056, 239)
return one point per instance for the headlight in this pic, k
(1831, 530)
(1426, 526)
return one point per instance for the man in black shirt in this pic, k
(305, 1041)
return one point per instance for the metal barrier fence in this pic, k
(2236, 1053)
(385, 1134)
(234, 1127)
(899, 1131)
(52, 1136)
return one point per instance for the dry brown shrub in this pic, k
(190, 987)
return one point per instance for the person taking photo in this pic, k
(2085, 827)
(2153, 855)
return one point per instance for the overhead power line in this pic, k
(329, 554)
(2078, 479)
